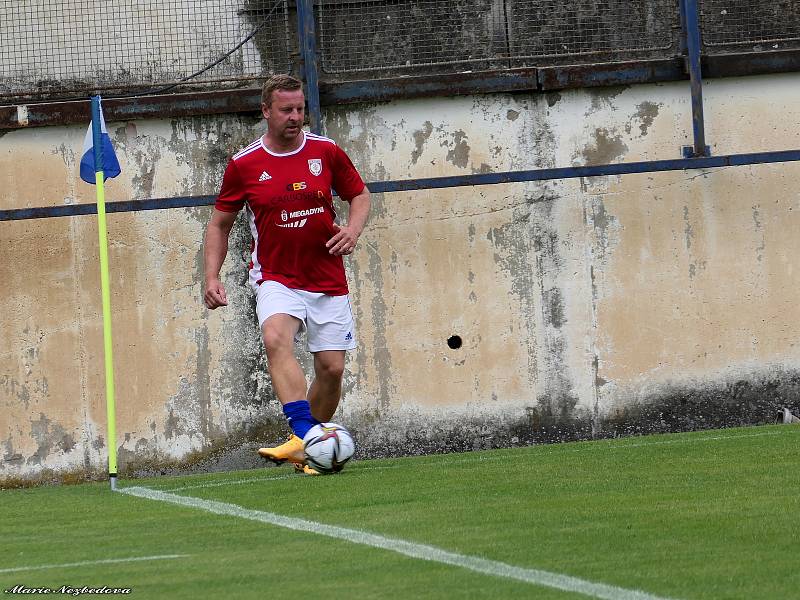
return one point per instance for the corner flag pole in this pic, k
(105, 290)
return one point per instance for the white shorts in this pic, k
(328, 320)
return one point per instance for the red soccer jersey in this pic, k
(290, 208)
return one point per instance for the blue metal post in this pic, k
(308, 50)
(97, 133)
(691, 22)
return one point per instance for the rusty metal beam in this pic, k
(126, 109)
(751, 63)
(621, 73)
(453, 84)
(41, 114)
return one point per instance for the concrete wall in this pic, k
(601, 306)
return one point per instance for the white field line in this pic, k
(413, 550)
(198, 486)
(106, 561)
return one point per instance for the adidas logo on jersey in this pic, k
(265, 176)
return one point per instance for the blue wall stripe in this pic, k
(430, 183)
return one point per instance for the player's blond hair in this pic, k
(278, 82)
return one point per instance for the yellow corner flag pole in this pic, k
(98, 143)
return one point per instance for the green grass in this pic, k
(703, 515)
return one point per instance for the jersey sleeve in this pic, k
(231, 196)
(346, 180)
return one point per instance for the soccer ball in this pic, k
(328, 447)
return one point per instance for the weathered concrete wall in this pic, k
(586, 307)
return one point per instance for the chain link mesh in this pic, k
(370, 35)
(592, 31)
(70, 47)
(735, 25)
(51, 47)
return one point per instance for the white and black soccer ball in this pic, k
(328, 447)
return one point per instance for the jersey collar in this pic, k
(268, 151)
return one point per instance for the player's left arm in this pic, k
(346, 237)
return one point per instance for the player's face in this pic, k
(285, 115)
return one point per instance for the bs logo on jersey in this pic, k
(296, 187)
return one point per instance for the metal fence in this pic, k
(593, 31)
(355, 36)
(382, 35)
(66, 48)
(69, 46)
(755, 25)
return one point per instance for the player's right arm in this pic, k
(215, 248)
(229, 202)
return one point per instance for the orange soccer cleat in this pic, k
(305, 470)
(291, 451)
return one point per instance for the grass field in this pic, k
(703, 515)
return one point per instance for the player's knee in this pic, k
(276, 340)
(330, 370)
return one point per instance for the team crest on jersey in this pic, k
(315, 166)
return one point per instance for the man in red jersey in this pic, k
(283, 180)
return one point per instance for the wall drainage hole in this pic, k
(454, 341)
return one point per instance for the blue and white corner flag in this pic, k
(110, 166)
